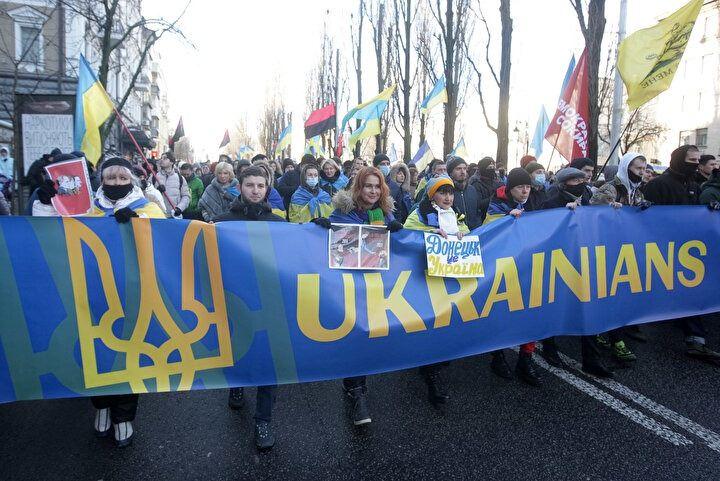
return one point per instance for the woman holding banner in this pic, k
(367, 202)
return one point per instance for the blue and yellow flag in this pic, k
(648, 59)
(436, 96)
(460, 149)
(245, 149)
(313, 146)
(423, 157)
(92, 108)
(284, 140)
(370, 112)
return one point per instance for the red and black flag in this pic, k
(179, 133)
(225, 140)
(320, 121)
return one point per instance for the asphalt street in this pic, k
(656, 420)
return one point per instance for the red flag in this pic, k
(225, 140)
(568, 130)
(340, 145)
(320, 121)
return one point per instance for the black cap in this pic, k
(518, 176)
(379, 158)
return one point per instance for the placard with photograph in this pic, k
(360, 247)
(74, 195)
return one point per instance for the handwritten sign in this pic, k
(453, 257)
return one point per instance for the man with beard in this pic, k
(677, 186)
(466, 201)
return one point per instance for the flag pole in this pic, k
(617, 144)
(552, 153)
(142, 155)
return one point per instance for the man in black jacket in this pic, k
(290, 181)
(485, 179)
(677, 186)
(466, 201)
(252, 205)
(403, 204)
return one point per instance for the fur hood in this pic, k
(406, 184)
(343, 201)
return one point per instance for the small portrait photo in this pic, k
(374, 248)
(69, 185)
(344, 246)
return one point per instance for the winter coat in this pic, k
(671, 188)
(710, 191)
(306, 205)
(155, 196)
(501, 205)
(217, 198)
(403, 203)
(176, 189)
(346, 212)
(197, 188)
(103, 207)
(239, 210)
(405, 186)
(537, 198)
(485, 187)
(561, 198)
(467, 203)
(620, 189)
(287, 185)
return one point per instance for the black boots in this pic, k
(499, 365)
(360, 411)
(525, 369)
(235, 399)
(436, 391)
(264, 436)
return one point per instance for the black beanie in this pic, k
(379, 158)
(453, 161)
(582, 162)
(518, 176)
(677, 157)
(119, 161)
(484, 162)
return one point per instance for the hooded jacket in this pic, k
(405, 186)
(403, 203)
(216, 199)
(710, 191)
(347, 212)
(620, 188)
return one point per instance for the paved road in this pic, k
(658, 420)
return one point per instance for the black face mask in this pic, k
(634, 178)
(576, 190)
(687, 169)
(143, 184)
(117, 192)
(488, 173)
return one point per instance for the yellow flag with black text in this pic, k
(648, 59)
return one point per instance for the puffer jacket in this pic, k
(176, 188)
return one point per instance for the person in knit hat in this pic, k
(466, 200)
(485, 179)
(512, 199)
(540, 185)
(527, 159)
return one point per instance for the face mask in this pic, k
(576, 190)
(143, 184)
(312, 181)
(488, 173)
(688, 169)
(385, 169)
(539, 180)
(117, 192)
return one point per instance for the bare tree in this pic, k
(239, 136)
(427, 55)
(502, 82)
(273, 120)
(115, 25)
(356, 38)
(455, 27)
(404, 14)
(385, 53)
(592, 27)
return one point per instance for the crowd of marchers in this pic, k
(450, 197)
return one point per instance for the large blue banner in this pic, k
(93, 307)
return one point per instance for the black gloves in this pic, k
(322, 222)
(161, 188)
(714, 205)
(394, 226)
(46, 191)
(177, 212)
(644, 205)
(124, 215)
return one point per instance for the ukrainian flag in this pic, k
(314, 146)
(245, 149)
(284, 140)
(460, 149)
(370, 112)
(436, 96)
(92, 108)
(423, 157)
(648, 59)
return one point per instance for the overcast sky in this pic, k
(241, 47)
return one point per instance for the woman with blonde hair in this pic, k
(221, 192)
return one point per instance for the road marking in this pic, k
(711, 438)
(616, 404)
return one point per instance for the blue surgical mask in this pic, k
(385, 169)
(312, 181)
(539, 180)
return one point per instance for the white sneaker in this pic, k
(123, 434)
(102, 422)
